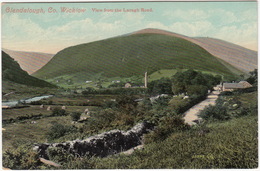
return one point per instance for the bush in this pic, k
(22, 158)
(167, 126)
(59, 130)
(161, 103)
(161, 86)
(58, 112)
(99, 121)
(217, 112)
(127, 103)
(75, 116)
(246, 90)
(226, 93)
(199, 90)
(180, 105)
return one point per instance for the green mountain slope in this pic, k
(29, 61)
(242, 58)
(131, 55)
(11, 71)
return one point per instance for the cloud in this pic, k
(187, 15)
(158, 25)
(244, 35)
(197, 28)
(25, 34)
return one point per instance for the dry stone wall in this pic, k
(100, 145)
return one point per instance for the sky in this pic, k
(52, 30)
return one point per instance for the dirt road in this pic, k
(192, 113)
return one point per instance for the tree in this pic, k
(183, 80)
(200, 90)
(161, 86)
(253, 77)
(75, 116)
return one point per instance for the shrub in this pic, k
(22, 158)
(58, 112)
(127, 103)
(217, 112)
(75, 116)
(167, 126)
(99, 121)
(177, 103)
(110, 104)
(199, 90)
(161, 86)
(161, 103)
(226, 93)
(59, 130)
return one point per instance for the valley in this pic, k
(90, 103)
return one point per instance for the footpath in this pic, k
(191, 115)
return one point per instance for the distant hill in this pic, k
(242, 58)
(130, 55)
(11, 71)
(29, 61)
(238, 56)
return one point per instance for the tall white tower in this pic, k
(145, 80)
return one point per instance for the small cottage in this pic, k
(235, 86)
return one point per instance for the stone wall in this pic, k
(100, 145)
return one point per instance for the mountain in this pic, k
(30, 61)
(133, 54)
(242, 58)
(11, 71)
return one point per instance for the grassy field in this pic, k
(36, 110)
(170, 72)
(23, 91)
(26, 131)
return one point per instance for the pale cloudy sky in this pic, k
(234, 22)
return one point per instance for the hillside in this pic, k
(126, 56)
(11, 71)
(238, 56)
(29, 61)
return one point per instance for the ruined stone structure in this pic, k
(101, 145)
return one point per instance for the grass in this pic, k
(17, 134)
(218, 145)
(130, 55)
(25, 131)
(248, 99)
(36, 110)
(230, 144)
(23, 91)
(170, 72)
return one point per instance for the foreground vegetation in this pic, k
(222, 144)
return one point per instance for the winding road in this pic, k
(192, 114)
